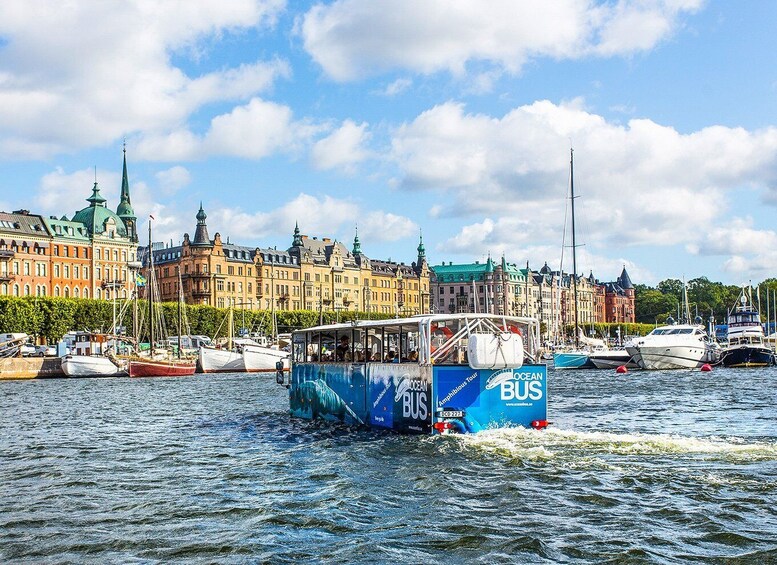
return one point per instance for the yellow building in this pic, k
(210, 271)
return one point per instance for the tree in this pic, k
(652, 304)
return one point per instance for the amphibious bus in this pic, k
(426, 374)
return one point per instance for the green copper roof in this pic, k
(125, 206)
(357, 246)
(67, 229)
(464, 272)
(97, 218)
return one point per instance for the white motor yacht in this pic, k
(678, 346)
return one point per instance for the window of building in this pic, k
(218, 269)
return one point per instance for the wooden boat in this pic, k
(162, 368)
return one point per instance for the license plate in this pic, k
(450, 414)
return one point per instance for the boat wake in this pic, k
(528, 444)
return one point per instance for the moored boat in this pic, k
(679, 346)
(161, 368)
(573, 360)
(259, 359)
(160, 362)
(746, 346)
(93, 355)
(612, 359)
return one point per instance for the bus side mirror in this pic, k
(279, 376)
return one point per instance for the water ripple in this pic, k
(214, 470)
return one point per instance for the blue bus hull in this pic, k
(410, 398)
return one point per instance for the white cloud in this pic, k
(343, 148)
(62, 193)
(640, 183)
(398, 87)
(748, 250)
(173, 179)
(76, 74)
(351, 39)
(323, 215)
(253, 131)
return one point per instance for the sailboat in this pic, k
(96, 354)
(214, 359)
(262, 359)
(576, 358)
(159, 363)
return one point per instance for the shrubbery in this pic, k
(50, 318)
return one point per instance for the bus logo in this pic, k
(516, 385)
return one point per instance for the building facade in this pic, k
(546, 295)
(312, 274)
(90, 255)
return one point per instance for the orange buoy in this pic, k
(622, 369)
(706, 368)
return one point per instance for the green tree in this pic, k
(652, 304)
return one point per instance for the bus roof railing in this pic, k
(418, 319)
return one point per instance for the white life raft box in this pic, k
(495, 350)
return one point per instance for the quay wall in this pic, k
(30, 368)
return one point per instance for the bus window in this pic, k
(344, 347)
(409, 343)
(327, 346)
(299, 348)
(391, 345)
(375, 344)
(358, 346)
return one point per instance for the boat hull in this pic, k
(161, 368)
(746, 356)
(613, 360)
(89, 366)
(259, 359)
(221, 361)
(672, 357)
(572, 360)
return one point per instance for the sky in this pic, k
(450, 118)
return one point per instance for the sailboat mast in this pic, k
(180, 315)
(150, 292)
(574, 242)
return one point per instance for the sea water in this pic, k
(648, 467)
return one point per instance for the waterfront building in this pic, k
(279, 284)
(334, 278)
(313, 274)
(113, 249)
(480, 287)
(71, 258)
(210, 271)
(619, 300)
(24, 254)
(545, 294)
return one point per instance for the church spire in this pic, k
(357, 246)
(125, 211)
(421, 248)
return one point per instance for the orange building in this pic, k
(71, 249)
(24, 254)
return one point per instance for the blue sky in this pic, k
(451, 117)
